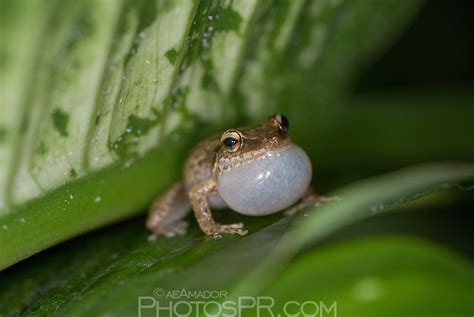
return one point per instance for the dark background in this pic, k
(435, 52)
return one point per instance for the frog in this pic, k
(254, 170)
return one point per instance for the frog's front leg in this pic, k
(167, 211)
(309, 199)
(198, 197)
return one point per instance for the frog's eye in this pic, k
(284, 122)
(279, 121)
(232, 140)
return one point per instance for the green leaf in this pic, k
(106, 273)
(102, 99)
(363, 199)
(387, 276)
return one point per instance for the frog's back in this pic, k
(200, 162)
(199, 167)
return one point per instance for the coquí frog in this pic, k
(254, 171)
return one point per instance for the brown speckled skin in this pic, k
(209, 158)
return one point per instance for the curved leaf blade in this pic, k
(112, 281)
(118, 79)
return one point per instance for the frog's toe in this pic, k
(237, 225)
(169, 230)
(178, 228)
(234, 228)
(242, 232)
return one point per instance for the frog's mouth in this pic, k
(252, 156)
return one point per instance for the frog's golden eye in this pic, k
(232, 140)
